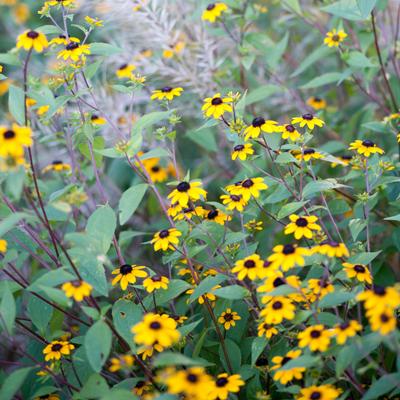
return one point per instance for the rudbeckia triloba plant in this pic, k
(200, 200)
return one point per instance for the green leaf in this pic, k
(366, 7)
(356, 226)
(324, 79)
(359, 60)
(130, 201)
(101, 226)
(290, 208)
(363, 258)
(13, 382)
(381, 386)
(94, 387)
(393, 218)
(233, 292)
(104, 49)
(204, 138)
(320, 186)
(98, 344)
(150, 119)
(234, 354)
(293, 5)
(175, 288)
(125, 315)
(10, 221)
(8, 309)
(336, 298)
(261, 93)
(302, 361)
(347, 9)
(169, 358)
(257, 347)
(40, 313)
(51, 279)
(9, 59)
(206, 286)
(276, 52)
(311, 59)
(16, 104)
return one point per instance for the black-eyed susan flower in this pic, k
(147, 351)
(277, 309)
(127, 274)
(193, 383)
(346, 330)
(266, 330)
(190, 212)
(316, 103)
(213, 11)
(97, 120)
(251, 267)
(64, 3)
(57, 166)
(258, 125)
(380, 297)
(316, 337)
(275, 279)
(308, 154)
(250, 187)
(166, 239)
(141, 387)
(228, 318)
(3, 246)
(174, 49)
(358, 271)
(225, 384)
(365, 147)
(14, 139)
(217, 216)
(155, 282)
(60, 39)
(77, 289)
(156, 328)
(241, 151)
(345, 159)
(233, 202)
(125, 71)
(287, 375)
(320, 287)
(383, 322)
(308, 120)
(331, 248)
(322, 392)
(74, 51)
(254, 225)
(187, 191)
(289, 132)
(335, 37)
(167, 92)
(121, 362)
(210, 296)
(57, 349)
(157, 172)
(32, 40)
(217, 106)
(94, 21)
(302, 226)
(287, 256)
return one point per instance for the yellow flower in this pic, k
(51, 396)
(3, 246)
(30, 102)
(13, 140)
(233, 202)
(309, 120)
(188, 212)
(251, 267)
(316, 337)
(125, 71)
(57, 349)
(57, 166)
(379, 298)
(155, 282)
(21, 13)
(278, 309)
(187, 191)
(323, 392)
(276, 279)
(209, 295)
(254, 225)
(32, 40)
(141, 388)
(120, 362)
(77, 289)
(308, 154)
(128, 274)
(74, 51)
(302, 226)
(287, 375)
(174, 49)
(320, 287)
(217, 216)
(334, 38)
(64, 3)
(250, 187)
(266, 330)
(260, 124)
(147, 351)
(216, 106)
(383, 322)
(228, 318)
(358, 271)
(316, 103)
(166, 92)
(331, 248)
(346, 330)
(289, 132)
(96, 120)
(287, 256)
(213, 11)
(193, 383)
(166, 239)
(346, 159)
(365, 147)
(242, 151)
(156, 328)
(94, 21)
(226, 384)
(155, 170)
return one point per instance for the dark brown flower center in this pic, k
(384, 318)
(125, 269)
(212, 214)
(183, 187)
(346, 157)
(315, 334)
(277, 305)
(308, 151)
(32, 35)
(156, 278)
(8, 135)
(155, 168)
(76, 284)
(285, 360)
(288, 249)
(56, 347)
(247, 183)
(290, 128)
(379, 290)
(94, 117)
(344, 325)
(368, 143)
(166, 89)
(235, 198)
(221, 382)
(302, 222)
(140, 384)
(238, 147)
(317, 99)
(155, 325)
(57, 162)
(72, 46)
(216, 101)
(359, 268)
(315, 395)
(278, 282)
(123, 66)
(257, 122)
(249, 264)
(164, 233)
(192, 378)
(210, 7)
(228, 317)
(335, 38)
(308, 116)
